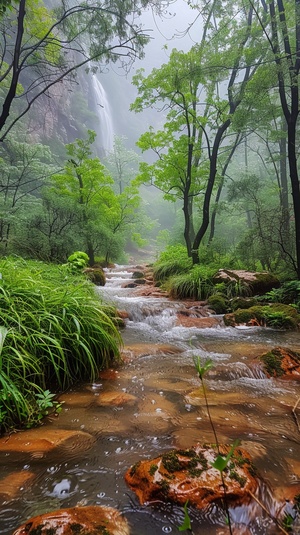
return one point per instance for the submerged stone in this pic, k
(41, 442)
(14, 483)
(91, 520)
(182, 475)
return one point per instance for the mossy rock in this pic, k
(281, 362)
(138, 275)
(277, 316)
(218, 303)
(242, 302)
(249, 282)
(96, 275)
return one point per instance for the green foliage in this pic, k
(195, 284)
(242, 302)
(202, 370)
(77, 261)
(222, 462)
(186, 524)
(54, 332)
(288, 293)
(276, 316)
(172, 261)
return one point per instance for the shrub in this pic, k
(77, 261)
(288, 293)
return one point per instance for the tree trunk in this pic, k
(208, 193)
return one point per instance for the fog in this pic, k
(177, 27)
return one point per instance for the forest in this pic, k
(217, 172)
(179, 170)
(211, 181)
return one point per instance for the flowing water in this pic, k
(166, 410)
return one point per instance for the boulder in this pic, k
(275, 315)
(91, 520)
(96, 275)
(181, 475)
(250, 282)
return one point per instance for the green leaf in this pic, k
(186, 524)
(221, 462)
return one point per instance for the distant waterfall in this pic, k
(106, 129)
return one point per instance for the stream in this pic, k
(164, 409)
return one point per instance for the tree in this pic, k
(280, 21)
(198, 118)
(41, 47)
(178, 147)
(87, 189)
(24, 169)
(128, 221)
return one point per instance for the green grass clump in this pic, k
(54, 332)
(194, 284)
(171, 262)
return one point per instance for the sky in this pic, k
(169, 30)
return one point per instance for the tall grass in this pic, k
(54, 331)
(172, 262)
(195, 284)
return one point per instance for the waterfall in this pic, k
(106, 129)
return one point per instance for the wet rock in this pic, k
(116, 399)
(109, 373)
(199, 323)
(76, 399)
(249, 282)
(138, 275)
(182, 475)
(281, 362)
(276, 315)
(123, 314)
(13, 484)
(155, 412)
(129, 285)
(96, 275)
(150, 291)
(39, 443)
(91, 520)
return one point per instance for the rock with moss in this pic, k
(281, 362)
(276, 316)
(242, 302)
(91, 520)
(218, 303)
(181, 475)
(241, 282)
(96, 275)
